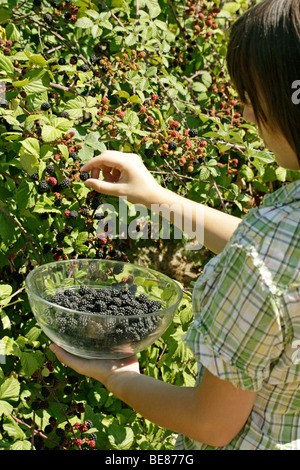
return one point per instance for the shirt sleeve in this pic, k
(237, 334)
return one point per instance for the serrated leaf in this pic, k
(37, 59)
(62, 124)
(204, 174)
(49, 133)
(39, 81)
(10, 389)
(6, 65)
(84, 23)
(5, 408)
(31, 361)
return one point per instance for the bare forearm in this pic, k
(174, 408)
(217, 226)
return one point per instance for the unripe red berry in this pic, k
(150, 119)
(8, 43)
(67, 213)
(104, 99)
(121, 114)
(143, 109)
(52, 181)
(71, 134)
(92, 443)
(154, 97)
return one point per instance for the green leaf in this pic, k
(204, 174)
(12, 32)
(10, 389)
(84, 23)
(5, 408)
(153, 7)
(39, 81)
(120, 437)
(5, 291)
(6, 65)
(37, 59)
(31, 361)
(25, 194)
(231, 7)
(13, 429)
(82, 238)
(29, 153)
(281, 174)
(50, 133)
(21, 445)
(247, 173)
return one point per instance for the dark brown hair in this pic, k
(263, 61)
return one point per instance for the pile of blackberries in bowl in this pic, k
(102, 309)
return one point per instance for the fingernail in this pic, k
(52, 347)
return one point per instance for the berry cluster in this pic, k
(116, 317)
(72, 435)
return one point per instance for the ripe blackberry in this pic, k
(193, 132)
(45, 392)
(73, 60)
(72, 379)
(172, 146)
(89, 424)
(60, 237)
(50, 168)
(65, 183)
(84, 67)
(85, 212)
(46, 248)
(118, 268)
(95, 202)
(65, 114)
(48, 429)
(68, 390)
(84, 176)
(35, 177)
(58, 202)
(35, 405)
(93, 436)
(73, 155)
(85, 290)
(43, 186)
(149, 152)
(68, 15)
(62, 61)
(94, 59)
(45, 106)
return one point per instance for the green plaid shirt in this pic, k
(247, 321)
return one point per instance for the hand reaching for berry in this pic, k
(103, 370)
(124, 175)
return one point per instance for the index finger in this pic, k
(109, 158)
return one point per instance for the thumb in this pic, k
(111, 189)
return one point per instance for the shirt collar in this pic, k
(285, 195)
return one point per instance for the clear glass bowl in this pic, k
(96, 335)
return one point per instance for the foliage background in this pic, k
(127, 75)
